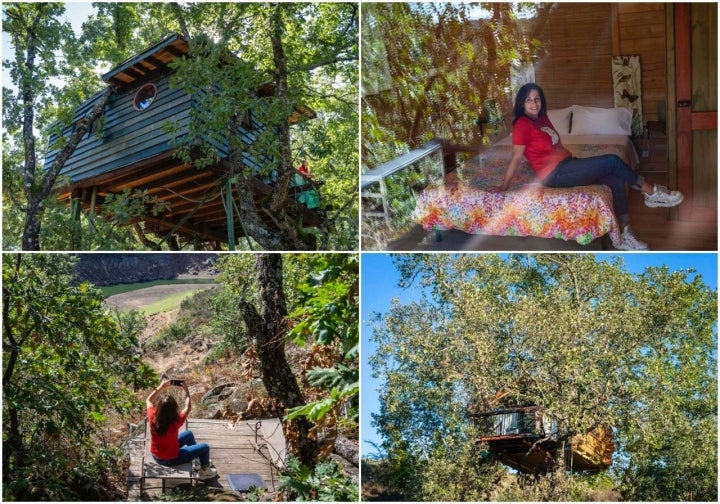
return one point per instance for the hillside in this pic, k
(110, 269)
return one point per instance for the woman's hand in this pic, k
(150, 400)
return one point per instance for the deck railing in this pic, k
(528, 421)
(389, 193)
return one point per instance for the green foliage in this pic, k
(327, 310)
(430, 70)
(170, 335)
(321, 46)
(450, 467)
(325, 483)
(591, 343)
(66, 365)
(195, 312)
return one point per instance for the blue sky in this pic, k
(379, 285)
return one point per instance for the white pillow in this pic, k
(560, 118)
(601, 121)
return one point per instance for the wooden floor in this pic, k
(655, 226)
(253, 446)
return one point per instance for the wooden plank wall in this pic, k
(129, 135)
(641, 30)
(574, 63)
(578, 41)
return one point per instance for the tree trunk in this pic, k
(281, 92)
(12, 443)
(36, 196)
(268, 327)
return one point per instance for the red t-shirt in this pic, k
(165, 447)
(543, 148)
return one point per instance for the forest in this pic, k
(76, 370)
(599, 349)
(305, 53)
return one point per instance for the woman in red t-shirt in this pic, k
(535, 138)
(169, 446)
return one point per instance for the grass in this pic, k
(111, 290)
(168, 303)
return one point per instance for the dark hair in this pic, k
(166, 413)
(523, 92)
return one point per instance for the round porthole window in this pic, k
(145, 96)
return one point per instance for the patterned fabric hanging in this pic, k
(627, 90)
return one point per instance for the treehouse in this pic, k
(130, 148)
(528, 439)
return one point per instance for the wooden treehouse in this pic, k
(527, 439)
(132, 151)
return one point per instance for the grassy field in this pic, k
(167, 303)
(111, 290)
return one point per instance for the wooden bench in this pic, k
(152, 470)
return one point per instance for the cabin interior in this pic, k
(677, 47)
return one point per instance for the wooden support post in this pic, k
(75, 208)
(229, 214)
(93, 201)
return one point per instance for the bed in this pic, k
(461, 199)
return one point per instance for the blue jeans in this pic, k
(189, 450)
(607, 169)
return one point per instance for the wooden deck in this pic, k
(253, 446)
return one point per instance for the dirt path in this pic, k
(143, 297)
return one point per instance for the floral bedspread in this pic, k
(461, 200)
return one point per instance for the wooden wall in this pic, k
(128, 135)
(578, 40)
(640, 29)
(131, 136)
(574, 62)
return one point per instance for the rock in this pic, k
(218, 393)
(232, 398)
(347, 449)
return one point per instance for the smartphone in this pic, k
(177, 383)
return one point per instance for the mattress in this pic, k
(461, 199)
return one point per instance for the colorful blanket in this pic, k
(461, 200)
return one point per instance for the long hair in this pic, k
(165, 414)
(523, 92)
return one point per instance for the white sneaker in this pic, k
(629, 242)
(661, 197)
(208, 474)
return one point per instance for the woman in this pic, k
(534, 137)
(166, 445)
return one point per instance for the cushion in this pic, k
(244, 482)
(560, 118)
(601, 121)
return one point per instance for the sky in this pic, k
(76, 13)
(379, 285)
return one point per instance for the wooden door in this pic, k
(696, 105)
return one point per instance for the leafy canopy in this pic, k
(67, 365)
(590, 342)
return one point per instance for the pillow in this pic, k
(560, 118)
(601, 121)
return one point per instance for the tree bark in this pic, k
(12, 446)
(281, 92)
(36, 196)
(268, 326)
